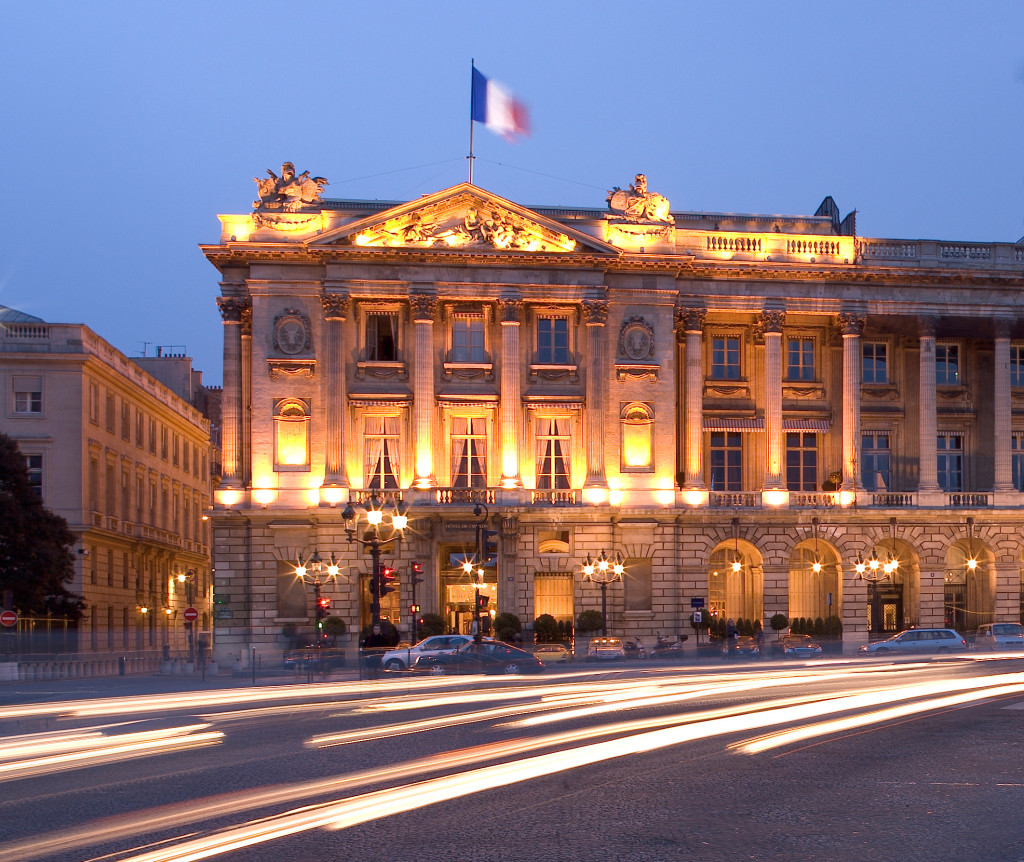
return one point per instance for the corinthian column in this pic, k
(689, 329)
(595, 316)
(231, 308)
(511, 398)
(336, 308)
(928, 477)
(1001, 408)
(424, 306)
(852, 328)
(245, 435)
(772, 320)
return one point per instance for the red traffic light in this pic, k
(414, 609)
(417, 567)
(325, 602)
(388, 573)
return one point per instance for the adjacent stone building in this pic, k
(749, 410)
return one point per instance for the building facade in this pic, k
(759, 414)
(126, 460)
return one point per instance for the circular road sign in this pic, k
(8, 618)
(191, 615)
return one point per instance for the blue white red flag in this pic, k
(497, 108)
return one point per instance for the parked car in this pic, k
(605, 649)
(918, 642)
(743, 647)
(552, 654)
(401, 658)
(488, 656)
(320, 658)
(999, 636)
(800, 646)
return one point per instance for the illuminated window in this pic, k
(553, 595)
(469, 452)
(726, 461)
(552, 453)
(874, 363)
(725, 358)
(875, 461)
(636, 424)
(950, 455)
(291, 434)
(553, 542)
(800, 359)
(28, 394)
(381, 436)
(947, 364)
(553, 340)
(1017, 365)
(801, 461)
(381, 336)
(468, 338)
(1017, 458)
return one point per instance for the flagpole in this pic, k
(472, 67)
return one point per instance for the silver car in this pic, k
(405, 657)
(999, 636)
(918, 642)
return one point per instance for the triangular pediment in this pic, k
(463, 217)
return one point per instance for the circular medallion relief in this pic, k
(291, 335)
(637, 341)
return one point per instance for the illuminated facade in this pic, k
(126, 460)
(740, 406)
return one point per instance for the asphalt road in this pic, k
(855, 760)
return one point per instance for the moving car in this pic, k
(552, 654)
(405, 657)
(605, 649)
(743, 647)
(319, 658)
(800, 646)
(918, 642)
(488, 656)
(999, 636)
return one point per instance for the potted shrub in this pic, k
(545, 629)
(507, 626)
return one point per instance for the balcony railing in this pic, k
(894, 499)
(734, 499)
(964, 500)
(816, 500)
(464, 496)
(550, 497)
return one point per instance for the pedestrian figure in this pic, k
(732, 636)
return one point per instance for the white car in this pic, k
(405, 657)
(918, 641)
(998, 636)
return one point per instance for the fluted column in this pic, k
(928, 479)
(689, 329)
(852, 327)
(772, 320)
(511, 397)
(231, 308)
(424, 306)
(1001, 409)
(595, 316)
(245, 436)
(336, 308)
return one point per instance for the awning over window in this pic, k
(818, 426)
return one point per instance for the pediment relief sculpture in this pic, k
(638, 205)
(473, 223)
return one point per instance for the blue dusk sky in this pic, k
(128, 126)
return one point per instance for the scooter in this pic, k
(666, 647)
(634, 648)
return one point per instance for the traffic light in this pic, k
(417, 572)
(481, 602)
(490, 546)
(387, 580)
(414, 609)
(323, 610)
(485, 624)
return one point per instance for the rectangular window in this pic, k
(126, 421)
(726, 461)
(1017, 459)
(382, 336)
(800, 359)
(152, 436)
(725, 358)
(291, 434)
(94, 403)
(801, 461)
(553, 341)
(947, 365)
(381, 437)
(876, 458)
(185, 450)
(28, 394)
(636, 585)
(175, 450)
(110, 412)
(468, 339)
(553, 594)
(1017, 365)
(950, 454)
(469, 452)
(34, 464)
(553, 453)
(874, 364)
(140, 428)
(163, 442)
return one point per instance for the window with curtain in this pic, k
(553, 453)
(381, 336)
(380, 451)
(552, 594)
(469, 452)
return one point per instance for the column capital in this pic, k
(1002, 327)
(595, 312)
(926, 325)
(850, 323)
(771, 320)
(510, 310)
(424, 307)
(336, 305)
(688, 318)
(231, 308)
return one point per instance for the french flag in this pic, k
(498, 109)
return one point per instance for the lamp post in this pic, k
(189, 580)
(603, 571)
(316, 573)
(386, 521)
(875, 572)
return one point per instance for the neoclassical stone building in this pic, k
(741, 406)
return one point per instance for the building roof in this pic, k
(12, 315)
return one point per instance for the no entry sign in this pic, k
(8, 618)
(191, 615)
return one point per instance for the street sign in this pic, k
(8, 618)
(697, 603)
(191, 615)
(697, 616)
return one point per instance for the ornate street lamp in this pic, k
(603, 571)
(874, 572)
(316, 573)
(385, 521)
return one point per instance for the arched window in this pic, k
(291, 434)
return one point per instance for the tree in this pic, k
(545, 629)
(507, 626)
(589, 621)
(35, 544)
